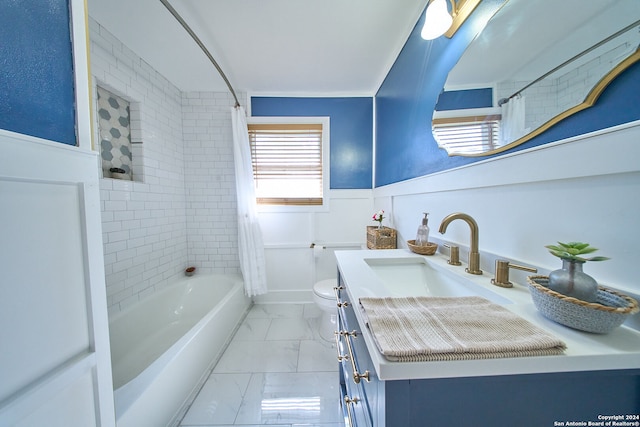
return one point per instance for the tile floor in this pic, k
(276, 371)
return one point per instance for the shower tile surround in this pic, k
(212, 232)
(180, 209)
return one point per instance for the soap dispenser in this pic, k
(422, 236)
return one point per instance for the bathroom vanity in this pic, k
(597, 378)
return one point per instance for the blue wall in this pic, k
(36, 70)
(405, 147)
(351, 125)
(465, 99)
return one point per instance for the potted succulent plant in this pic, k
(570, 280)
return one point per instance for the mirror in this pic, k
(542, 61)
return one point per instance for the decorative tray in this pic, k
(430, 249)
(601, 317)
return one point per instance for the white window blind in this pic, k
(287, 163)
(475, 134)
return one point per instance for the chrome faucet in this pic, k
(474, 255)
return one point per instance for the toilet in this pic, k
(324, 297)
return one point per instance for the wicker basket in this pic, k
(601, 317)
(381, 238)
(430, 249)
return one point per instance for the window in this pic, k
(473, 134)
(288, 163)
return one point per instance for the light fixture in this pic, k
(436, 20)
(439, 21)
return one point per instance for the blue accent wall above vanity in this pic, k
(465, 99)
(351, 126)
(36, 70)
(405, 147)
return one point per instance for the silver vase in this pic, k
(572, 282)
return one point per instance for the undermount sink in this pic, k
(414, 276)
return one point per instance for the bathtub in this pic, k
(163, 346)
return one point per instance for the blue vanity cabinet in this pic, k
(531, 400)
(373, 398)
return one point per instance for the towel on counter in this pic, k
(418, 329)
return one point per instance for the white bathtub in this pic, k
(162, 347)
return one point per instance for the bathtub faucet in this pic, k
(474, 254)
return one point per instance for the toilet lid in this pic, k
(324, 288)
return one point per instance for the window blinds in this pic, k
(475, 134)
(287, 163)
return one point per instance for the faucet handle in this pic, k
(502, 273)
(454, 255)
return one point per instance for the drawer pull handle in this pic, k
(341, 357)
(349, 401)
(356, 375)
(337, 289)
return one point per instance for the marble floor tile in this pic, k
(272, 311)
(289, 329)
(314, 324)
(273, 425)
(295, 398)
(317, 356)
(311, 310)
(315, 425)
(252, 329)
(259, 356)
(275, 371)
(218, 401)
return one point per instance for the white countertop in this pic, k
(620, 349)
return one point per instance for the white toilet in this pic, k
(324, 297)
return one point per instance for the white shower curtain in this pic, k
(513, 120)
(250, 244)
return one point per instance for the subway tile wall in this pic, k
(210, 181)
(180, 211)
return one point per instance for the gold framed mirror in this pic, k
(542, 61)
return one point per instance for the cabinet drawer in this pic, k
(354, 408)
(350, 340)
(355, 364)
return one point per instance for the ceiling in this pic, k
(344, 47)
(339, 47)
(526, 39)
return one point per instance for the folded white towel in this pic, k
(432, 328)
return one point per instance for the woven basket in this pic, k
(430, 249)
(381, 238)
(601, 317)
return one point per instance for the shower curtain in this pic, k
(513, 116)
(250, 244)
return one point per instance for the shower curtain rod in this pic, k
(202, 46)
(568, 61)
